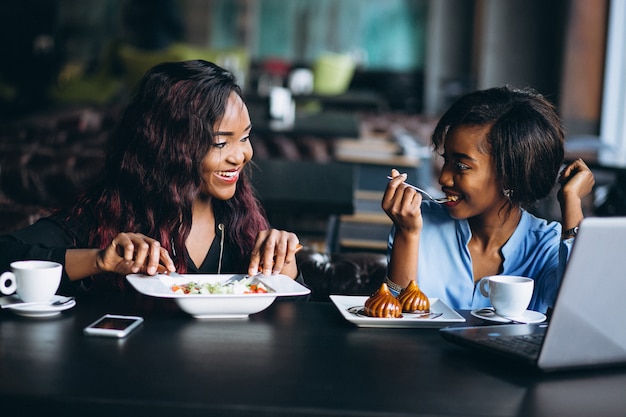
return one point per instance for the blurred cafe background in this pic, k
(339, 93)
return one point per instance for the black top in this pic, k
(50, 237)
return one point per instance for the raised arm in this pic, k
(576, 181)
(402, 205)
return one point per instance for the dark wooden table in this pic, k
(293, 359)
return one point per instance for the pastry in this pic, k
(383, 304)
(413, 300)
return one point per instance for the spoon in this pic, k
(489, 310)
(425, 193)
(425, 316)
(61, 301)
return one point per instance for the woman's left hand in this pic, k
(576, 181)
(275, 253)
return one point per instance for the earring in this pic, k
(173, 247)
(507, 193)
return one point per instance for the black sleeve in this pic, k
(47, 239)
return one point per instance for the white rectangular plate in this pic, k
(160, 285)
(217, 305)
(347, 302)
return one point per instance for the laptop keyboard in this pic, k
(527, 345)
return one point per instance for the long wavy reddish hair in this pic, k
(152, 170)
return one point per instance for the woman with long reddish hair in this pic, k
(175, 193)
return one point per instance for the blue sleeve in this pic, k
(545, 295)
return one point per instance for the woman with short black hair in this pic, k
(502, 150)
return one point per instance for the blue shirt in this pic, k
(535, 250)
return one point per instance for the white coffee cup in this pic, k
(509, 294)
(32, 281)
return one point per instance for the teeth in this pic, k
(452, 197)
(230, 174)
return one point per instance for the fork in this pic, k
(423, 192)
(162, 271)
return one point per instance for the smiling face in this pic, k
(230, 152)
(468, 176)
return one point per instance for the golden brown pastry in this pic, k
(383, 304)
(413, 300)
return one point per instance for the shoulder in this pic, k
(55, 230)
(535, 234)
(540, 227)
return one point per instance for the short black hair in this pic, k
(526, 138)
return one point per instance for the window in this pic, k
(613, 122)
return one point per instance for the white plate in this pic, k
(38, 310)
(529, 316)
(348, 303)
(217, 306)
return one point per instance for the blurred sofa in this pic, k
(45, 159)
(349, 273)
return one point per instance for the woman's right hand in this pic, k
(132, 253)
(402, 205)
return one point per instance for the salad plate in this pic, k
(228, 299)
(350, 308)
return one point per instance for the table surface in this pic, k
(295, 358)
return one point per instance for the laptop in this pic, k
(588, 323)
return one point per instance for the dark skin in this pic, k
(468, 178)
(274, 250)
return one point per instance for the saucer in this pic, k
(39, 310)
(529, 316)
